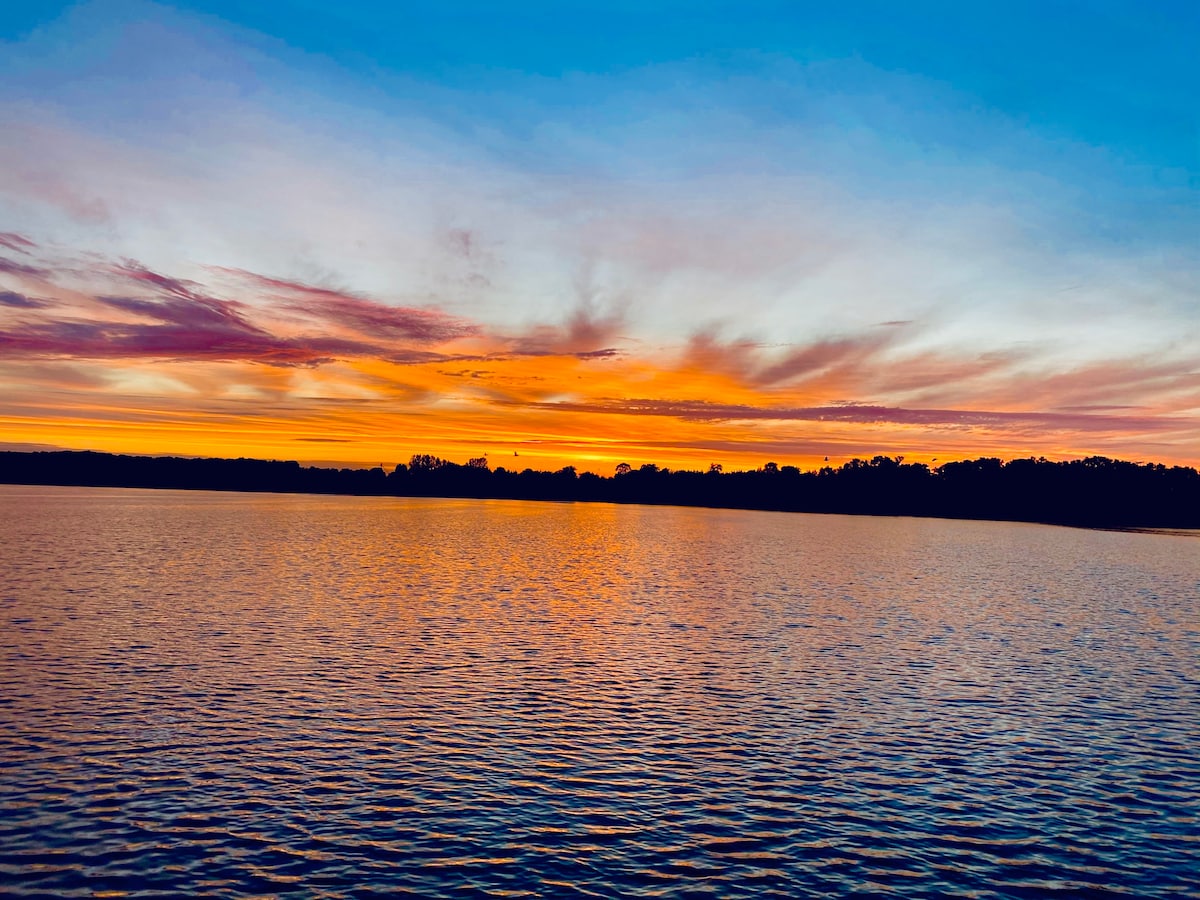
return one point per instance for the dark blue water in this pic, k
(220, 695)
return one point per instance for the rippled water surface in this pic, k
(221, 694)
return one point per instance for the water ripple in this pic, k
(219, 695)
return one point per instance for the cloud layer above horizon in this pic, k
(756, 237)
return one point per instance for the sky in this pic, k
(588, 233)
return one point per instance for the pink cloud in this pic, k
(183, 323)
(1124, 382)
(16, 242)
(139, 274)
(10, 267)
(756, 364)
(424, 326)
(368, 317)
(582, 335)
(21, 301)
(700, 411)
(114, 340)
(178, 319)
(823, 355)
(587, 331)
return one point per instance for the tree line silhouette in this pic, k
(1096, 491)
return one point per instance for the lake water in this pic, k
(219, 694)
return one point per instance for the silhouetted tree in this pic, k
(425, 462)
(1092, 491)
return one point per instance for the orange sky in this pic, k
(129, 360)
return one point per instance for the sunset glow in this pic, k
(227, 236)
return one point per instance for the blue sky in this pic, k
(1097, 94)
(1122, 75)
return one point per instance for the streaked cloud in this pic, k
(864, 414)
(21, 301)
(11, 267)
(16, 242)
(328, 306)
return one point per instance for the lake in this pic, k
(236, 694)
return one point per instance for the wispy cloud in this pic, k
(184, 322)
(866, 414)
(281, 322)
(360, 314)
(822, 356)
(21, 301)
(11, 267)
(585, 333)
(16, 242)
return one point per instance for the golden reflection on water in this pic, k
(521, 696)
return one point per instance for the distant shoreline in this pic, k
(1094, 492)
